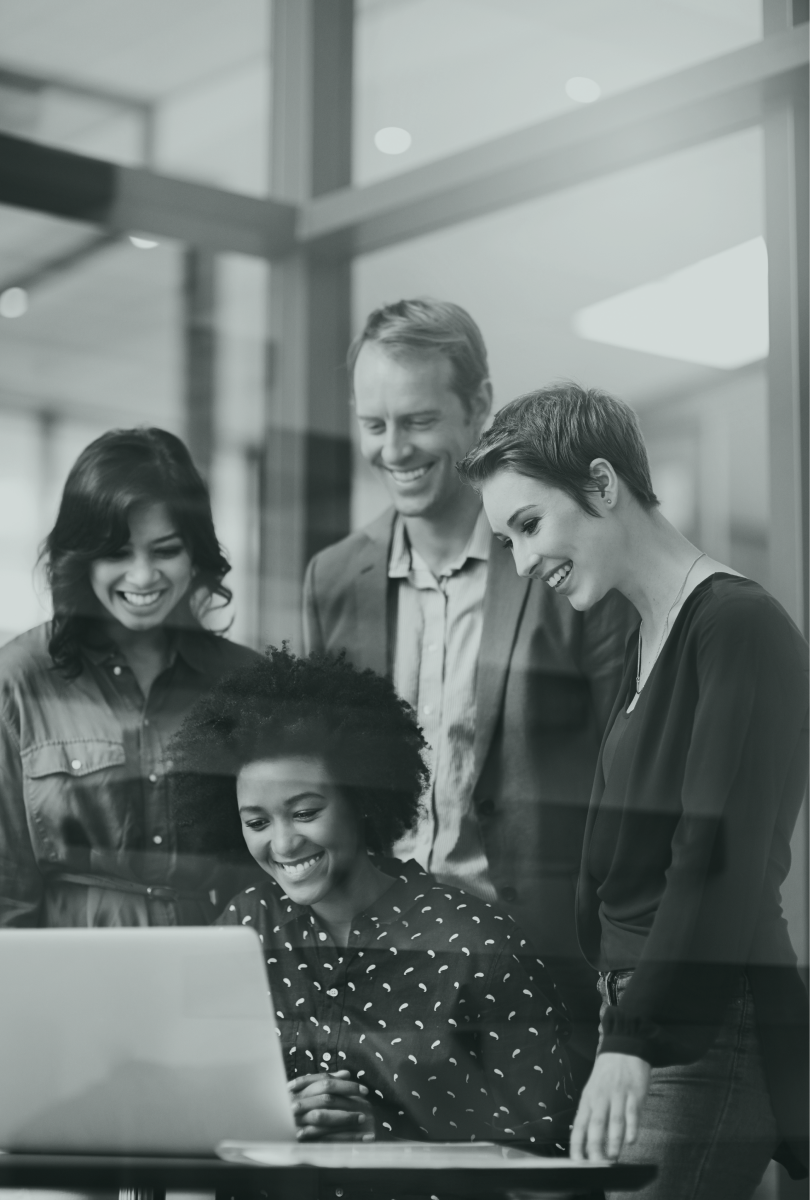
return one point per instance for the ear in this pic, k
(481, 404)
(606, 483)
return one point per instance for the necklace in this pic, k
(666, 626)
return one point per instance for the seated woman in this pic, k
(405, 1008)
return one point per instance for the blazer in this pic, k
(547, 678)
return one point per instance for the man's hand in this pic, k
(332, 1106)
(610, 1106)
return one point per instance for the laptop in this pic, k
(154, 1041)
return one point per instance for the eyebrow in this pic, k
(517, 514)
(290, 800)
(167, 537)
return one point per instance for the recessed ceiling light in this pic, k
(392, 140)
(583, 90)
(142, 243)
(714, 312)
(13, 302)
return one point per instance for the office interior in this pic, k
(200, 201)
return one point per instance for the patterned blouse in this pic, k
(436, 1004)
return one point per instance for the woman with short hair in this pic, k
(702, 1067)
(406, 1008)
(89, 700)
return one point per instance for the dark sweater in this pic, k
(687, 842)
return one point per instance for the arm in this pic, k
(313, 635)
(21, 887)
(523, 1057)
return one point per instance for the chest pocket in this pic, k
(75, 794)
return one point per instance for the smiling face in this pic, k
(301, 829)
(551, 537)
(149, 576)
(413, 426)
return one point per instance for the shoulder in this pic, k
(338, 561)
(26, 655)
(484, 926)
(216, 655)
(257, 905)
(734, 608)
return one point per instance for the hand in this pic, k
(332, 1106)
(610, 1106)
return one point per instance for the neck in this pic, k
(360, 890)
(440, 537)
(658, 559)
(152, 644)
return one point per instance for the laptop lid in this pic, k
(137, 1041)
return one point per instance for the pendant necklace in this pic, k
(666, 626)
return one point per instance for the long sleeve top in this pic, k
(85, 834)
(687, 841)
(436, 1004)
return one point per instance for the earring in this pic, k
(608, 501)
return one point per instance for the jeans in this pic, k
(707, 1126)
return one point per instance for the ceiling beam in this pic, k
(709, 100)
(131, 199)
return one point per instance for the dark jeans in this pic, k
(708, 1126)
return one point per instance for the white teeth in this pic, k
(301, 867)
(410, 476)
(140, 599)
(560, 574)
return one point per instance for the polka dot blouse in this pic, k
(437, 1005)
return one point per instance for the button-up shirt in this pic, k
(85, 785)
(438, 638)
(436, 1004)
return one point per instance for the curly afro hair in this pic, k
(282, 705)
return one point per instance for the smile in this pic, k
(141, 599)
(301, 866)
(559, 575)
(409, 476)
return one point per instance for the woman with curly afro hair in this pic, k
(405, 1008)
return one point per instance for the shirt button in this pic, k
(427, 709)
(433, 646)
(508, 894)
(116, 670)
(153, 778)
(332, 992)
(146, 720)
(76, 764)
(326, 1056)
(157, 839)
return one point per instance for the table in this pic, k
(145, 1178)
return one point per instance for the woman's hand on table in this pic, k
(331, 1105)
(610, 1107)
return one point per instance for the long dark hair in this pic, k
(118, 472)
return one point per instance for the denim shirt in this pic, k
(85, 785)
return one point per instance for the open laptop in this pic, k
(137, 1041)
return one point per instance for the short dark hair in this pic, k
(555, 433)
(118, 472)
(426, 326)
(318, 707)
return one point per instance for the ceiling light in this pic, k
(714, 312)
(583, 90)
(13, 302)
(142, 243)
(392, 140)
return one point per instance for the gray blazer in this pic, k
(547, 678)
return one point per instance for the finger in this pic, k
(578, 1130)
(616, 1128)
(632, 1111)
(300, 1081)
(331, 1118)
(327, 1085)
(595, 1137)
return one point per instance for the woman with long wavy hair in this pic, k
(89, 700)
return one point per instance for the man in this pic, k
(512, 687)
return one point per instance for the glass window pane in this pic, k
(454, 73)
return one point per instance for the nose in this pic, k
(526, 562)
(142, 571)
(286, 841)
(396, 447)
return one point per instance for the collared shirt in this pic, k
(436, 1005)
(438, 638)
(85, 785)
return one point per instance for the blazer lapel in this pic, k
(503, 605)
(372, 597)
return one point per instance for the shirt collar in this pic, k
(410, 884)
(401, 559)
(193, 646)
